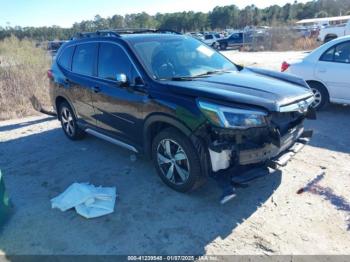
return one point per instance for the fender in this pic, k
(60, 94)
(164, 118)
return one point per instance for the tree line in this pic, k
(221, 17)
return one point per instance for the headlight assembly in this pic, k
(230, 117)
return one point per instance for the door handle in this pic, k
(96, 89)
(322, 70)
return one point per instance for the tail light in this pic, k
(284, 66)
(49, 74)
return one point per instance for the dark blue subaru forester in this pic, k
(178, 101)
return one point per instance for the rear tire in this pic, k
(176, 160)
(69, 122)
(321, 95)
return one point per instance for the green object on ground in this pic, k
(4, 201)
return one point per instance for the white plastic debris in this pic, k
(220, 160)
(89, 201)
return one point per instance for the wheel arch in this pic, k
(329, 36)
(59, 100)
(157, 122)
(317, 82)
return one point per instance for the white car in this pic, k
(327, 72)
(212, 40)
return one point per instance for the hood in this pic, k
(250, 86)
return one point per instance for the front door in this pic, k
(118, 105)
(333, 69)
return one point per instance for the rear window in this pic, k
(84, 59)
(65, 59)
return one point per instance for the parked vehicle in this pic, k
(326, 70)
(212, 40)
(329, 33)
(235, 40)
(178, 102)
(198, 36)
(53, 46)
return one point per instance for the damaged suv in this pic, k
(179, 102)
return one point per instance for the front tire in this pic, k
(69, 122)
(176, 160)
(223, 46)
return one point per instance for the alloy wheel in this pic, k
(318, 98)
(67, 121)
(173, 161)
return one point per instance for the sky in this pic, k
(65, 12)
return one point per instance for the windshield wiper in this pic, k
(190, 78)
(213, 72)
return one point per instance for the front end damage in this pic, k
(273, 145)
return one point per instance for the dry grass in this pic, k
(22, 74)
(283, 39)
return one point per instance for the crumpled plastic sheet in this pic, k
(89, 201)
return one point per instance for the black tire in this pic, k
(321, 95)
(215, 45)
(66, 114)
(223, 46)
(194, 178)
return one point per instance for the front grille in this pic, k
(286, 121)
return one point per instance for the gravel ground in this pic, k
(268, 217)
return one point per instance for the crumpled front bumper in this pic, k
(288, 145)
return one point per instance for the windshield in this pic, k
(180, 57)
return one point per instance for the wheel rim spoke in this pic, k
(170, 173)
(182, 173)
(167, 148)
(180, 156)
(163, 159)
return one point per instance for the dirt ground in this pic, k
(268, 217)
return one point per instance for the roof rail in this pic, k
(95, 34)
(118, 32)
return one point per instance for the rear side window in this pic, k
(338, 54)
(65, 59)
(112, 60)
(84, 59)
(207, 37)
(342, 53)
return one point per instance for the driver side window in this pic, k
(112, 60)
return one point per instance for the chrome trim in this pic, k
(300, 106)
(111, 140)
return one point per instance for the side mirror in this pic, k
(122, 79)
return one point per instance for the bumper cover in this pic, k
(290, 144)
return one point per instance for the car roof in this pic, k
(130, 38)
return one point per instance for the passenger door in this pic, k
(235, 40)
(333, 69)
(81, 81)
(119, 106)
